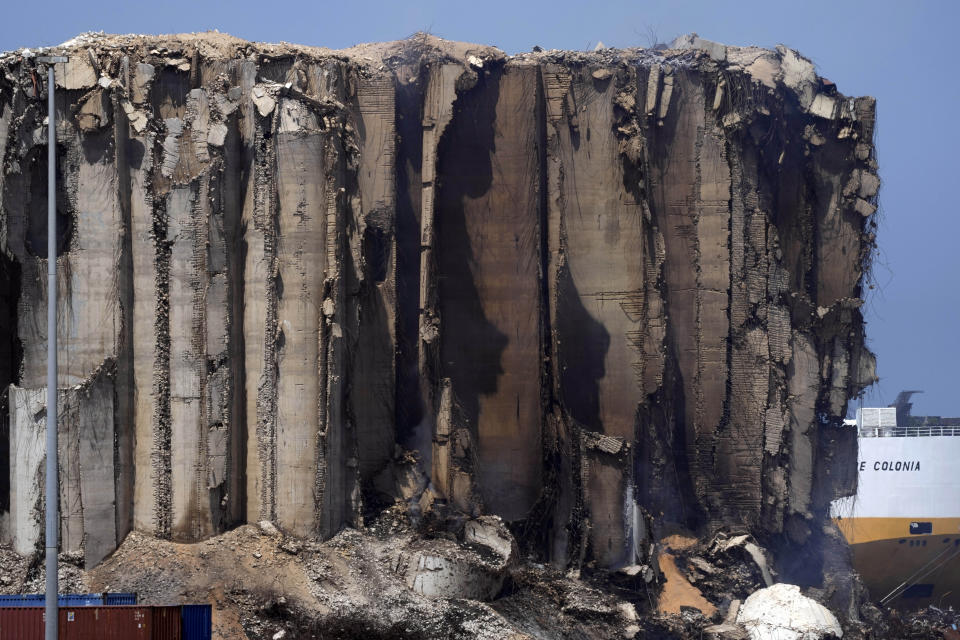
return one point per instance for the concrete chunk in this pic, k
(217, 134)
(864, 208)
(869, 185)
(715, 50)
(142, 80)
(264, 101)
(77, 73)
(781, 612)
(824, 107)
(798, 74)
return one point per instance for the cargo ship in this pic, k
(903, 524)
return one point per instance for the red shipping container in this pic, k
(106, 623)
(84, 623)
(21, 623)
(166, 623)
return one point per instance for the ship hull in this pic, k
(917, 570)
(903, 526)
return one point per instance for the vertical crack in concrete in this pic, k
(265, 222)
(161, 455)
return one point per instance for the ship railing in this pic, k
(909, 432)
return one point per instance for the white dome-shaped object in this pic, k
(781, 612)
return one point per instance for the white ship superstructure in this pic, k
(903, 524)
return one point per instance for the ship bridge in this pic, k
(881, 422)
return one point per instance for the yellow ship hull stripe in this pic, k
(861, 530)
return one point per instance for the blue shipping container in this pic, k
(65, 600)
(21, 600)
(197, 621)
(81, 600)
(111, 599)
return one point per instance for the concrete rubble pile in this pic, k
(781, 612)
(598, 295)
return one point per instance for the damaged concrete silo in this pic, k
(598, 294)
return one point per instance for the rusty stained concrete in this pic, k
(600, 295)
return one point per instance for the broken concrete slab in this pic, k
(798, 74)
(448, 570)
(142, 78)
(94, 112)
(27, 442)
(491, 532)
(824, 106)
(715, 50)
(264, 100)
(88, 483)
(869, 185)
(77, 73)
(864, 208)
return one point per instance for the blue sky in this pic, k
(901, 52)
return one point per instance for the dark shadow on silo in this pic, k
(36, 237)
(471, 347)
(582, 345)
